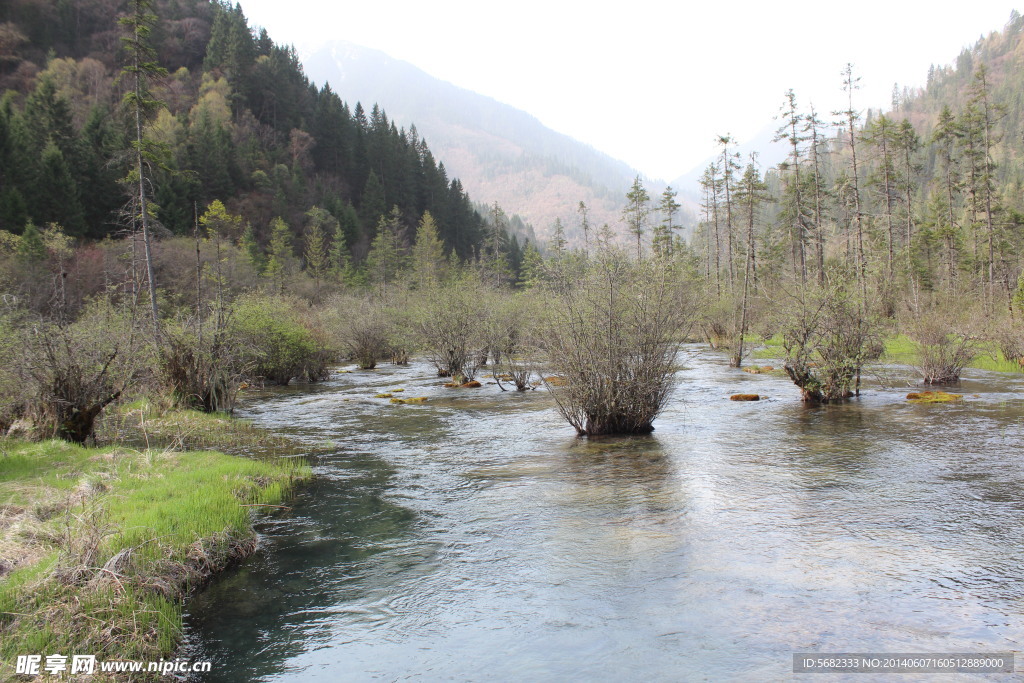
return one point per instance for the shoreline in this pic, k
(100, 546)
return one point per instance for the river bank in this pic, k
(99, 546)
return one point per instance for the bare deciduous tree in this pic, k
(612, 337)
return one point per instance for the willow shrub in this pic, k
(945, 346)
(612, 335)
(451, 327)
(272, 339)
(827, 338)
(71, 373)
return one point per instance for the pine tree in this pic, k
(583, 212)
(59, 203)
(281, 255)
(386, 259)
(791, 130)
(851, 117)
(881, 135)
(945, 137)
(668, 207)
(320, 228)
(636, 212)
(558, 241)
(428, 254)
(728, 169)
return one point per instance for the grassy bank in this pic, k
(98, 546)
(900, 349)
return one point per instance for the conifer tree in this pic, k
(386, 259)
(281, 255)
(791, 131)
(668, 207)
(320, 228)
(636, 212)
(850, 118)
(428, 254)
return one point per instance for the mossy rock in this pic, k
(405, 401)
(473, 384)
(933, 397)
(555, 381)
(745, 397)
(397, 391)
(383, 396)
(758, 370)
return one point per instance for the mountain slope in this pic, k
(500, 153)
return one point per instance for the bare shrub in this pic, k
(364, 333)
(511, 339)
(718, 325)
(828, 338)
(76, 371)
(945, 345)
(12, 389)
(203, 372)
(612, 337)
(1009, 337)
(449, 322)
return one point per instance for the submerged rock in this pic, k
(385, 395)
(933, 397)
(745, 397)
(418, 399)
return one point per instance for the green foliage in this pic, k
(274, 344)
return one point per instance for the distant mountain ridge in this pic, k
(500, 153)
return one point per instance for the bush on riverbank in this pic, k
(277, 342)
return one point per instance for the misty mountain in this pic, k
(499, 153)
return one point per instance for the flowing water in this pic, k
(475, 537)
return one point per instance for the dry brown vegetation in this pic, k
(612, 334)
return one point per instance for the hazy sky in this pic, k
(651, 83)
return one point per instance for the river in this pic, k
(475, 537)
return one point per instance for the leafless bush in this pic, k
(511, 339)
(945, 346)
(365, 334)
(827, 338)
(202, 372)
(450, 326)
(1009, 337)
(76, 371)
(612, 337)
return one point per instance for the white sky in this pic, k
(651, 83)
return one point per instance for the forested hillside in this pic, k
(502, 154)
(232, 118)
(923, 198)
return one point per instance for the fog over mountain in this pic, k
(500, 153)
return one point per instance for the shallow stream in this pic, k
(475, 537)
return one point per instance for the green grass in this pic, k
(900, 349)
(68, 510)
